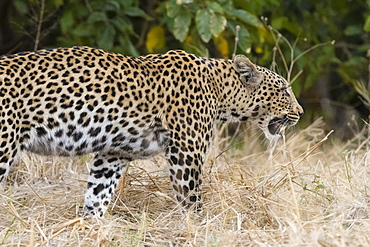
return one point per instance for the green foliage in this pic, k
(318, 22)
(202, 20)
(105, 24)
(209, 28)
(121, 25)
(211, 19)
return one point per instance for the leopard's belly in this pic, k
(70, 139)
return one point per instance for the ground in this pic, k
(307, 191)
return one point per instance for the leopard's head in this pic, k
(271, 104)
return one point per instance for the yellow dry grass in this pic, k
(309, 190)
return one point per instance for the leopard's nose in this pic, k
(300, 110)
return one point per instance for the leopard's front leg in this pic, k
(186, 154)
(186, 176)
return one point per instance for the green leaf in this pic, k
(216, 7)
(202, 21)
(126, 45)
(112, 6)
(283, 22)
(353, 30)
(66, 21)
(364, 48)
(96, 17)
(245, 41)
(82, 29)
(120, 24)
(135, 11)
(58, 3)
(226, 4)
(367, 24)
(21, 6)
(172, 9)
(181, 25)
(319, 186)
(106, 40)
(217, 23)
(185, 1)
(244, 16)
(126, 3)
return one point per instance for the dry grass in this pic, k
(306, 191)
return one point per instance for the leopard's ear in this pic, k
(248, 72)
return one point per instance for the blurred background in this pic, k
(321, 47)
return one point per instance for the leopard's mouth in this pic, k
(277, 125)
(274, 126)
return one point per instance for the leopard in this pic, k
(74, 101)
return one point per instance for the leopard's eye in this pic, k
(285, 90)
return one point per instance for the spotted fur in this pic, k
(81, 100)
